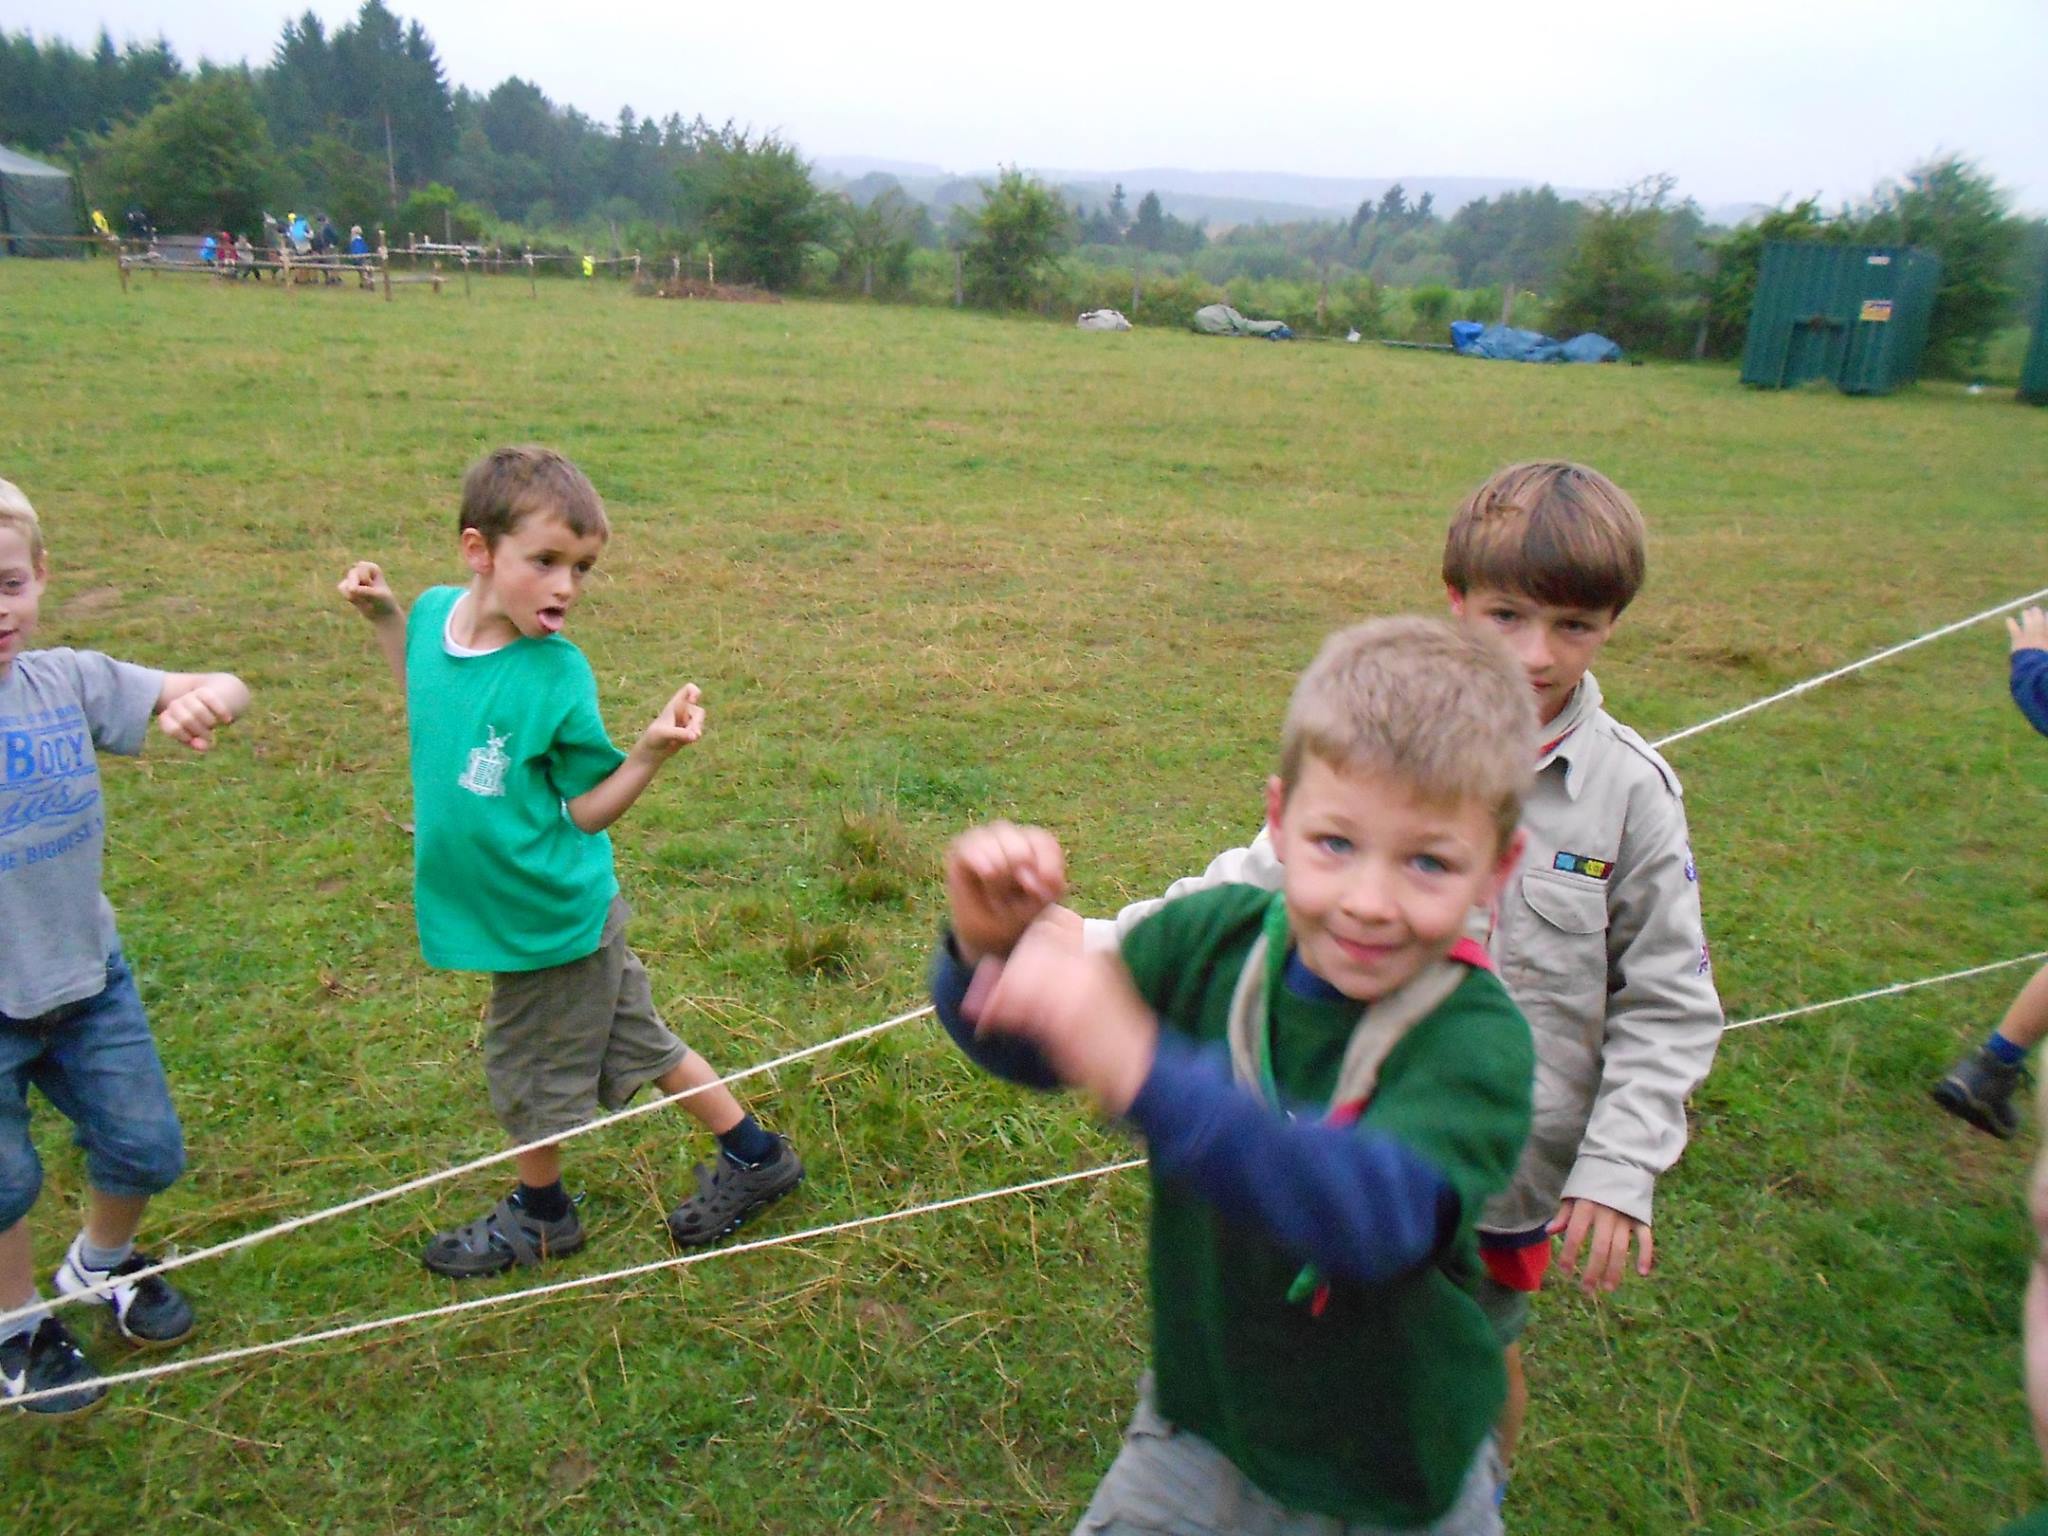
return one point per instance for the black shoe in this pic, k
(47, 1357)
(1979, 1089)
(150, 1313)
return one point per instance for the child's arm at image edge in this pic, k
(2030, 686)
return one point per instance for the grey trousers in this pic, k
(1167, 1482)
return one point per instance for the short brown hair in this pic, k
(1560, 533)
(17, 514)
(509, 485)
(1438, 706)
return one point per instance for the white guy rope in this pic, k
(425, 1181)
(1854, 666)
(1894, 988)
(582, 1282)
(585, 1282)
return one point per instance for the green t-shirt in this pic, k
(1374, 1410)
(503, 880)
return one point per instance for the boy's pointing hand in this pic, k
(680, 723)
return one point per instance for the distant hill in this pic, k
(1220, 197)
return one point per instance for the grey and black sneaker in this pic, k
(1979, 1089)
(149, 1313)
(45, 1358)
(728, 1192)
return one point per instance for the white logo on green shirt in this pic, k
(485, 774)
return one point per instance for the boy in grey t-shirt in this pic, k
(71, 1022)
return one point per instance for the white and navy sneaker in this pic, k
(45, 1357)
(149, 1313)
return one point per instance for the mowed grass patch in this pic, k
(929, 568)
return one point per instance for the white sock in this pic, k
(99, 1260)
(27, 1323)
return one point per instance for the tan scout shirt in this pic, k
(1600, 943)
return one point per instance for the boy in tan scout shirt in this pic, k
(1598, 936)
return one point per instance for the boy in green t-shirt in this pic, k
(514, 782)
(1332, 1084)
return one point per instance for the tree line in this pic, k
(360, 122)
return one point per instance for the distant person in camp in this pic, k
(209, 247)
(327, 244)
(359, 250)
(301, 235)
(1980, 1087)
(245, 255)
(100, 225)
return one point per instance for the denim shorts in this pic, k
(94, 1059)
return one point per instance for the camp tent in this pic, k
(36, 199)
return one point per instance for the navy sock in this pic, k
(2002, 1048)
(748, 1143)
(548, 1202)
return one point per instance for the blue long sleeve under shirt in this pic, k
(1359, 1205)
(2030, 686)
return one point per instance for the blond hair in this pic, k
(1558, 532)
(508, 485)
(1434, 705)
(18, 515)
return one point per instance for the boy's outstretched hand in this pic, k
(2029, 631)
(998, 879)
(1604, 1233)
(1078, 1008)
(680, 723)
(365, 587)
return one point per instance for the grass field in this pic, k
(929, 567)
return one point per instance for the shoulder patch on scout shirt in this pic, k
(1648, 753)
(1583, 864)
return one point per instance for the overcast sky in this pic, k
(1742, 100)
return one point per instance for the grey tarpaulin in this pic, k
(1222, 320)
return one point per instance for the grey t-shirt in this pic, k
(56, 928)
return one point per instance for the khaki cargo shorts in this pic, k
(562, 1042)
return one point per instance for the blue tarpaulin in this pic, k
(1507, 344)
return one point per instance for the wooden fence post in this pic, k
(465, 274)
(121, 261)
(532, 286)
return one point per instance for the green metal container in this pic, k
(2034, 375)
(1855, 315)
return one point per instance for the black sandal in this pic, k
(506, 1235)
(729, 1192)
